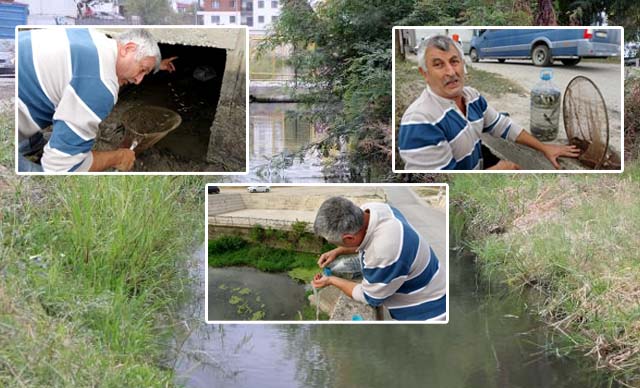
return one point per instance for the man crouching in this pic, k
(400, 270)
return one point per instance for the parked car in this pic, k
(213, 189)
(258, 189)
(543, 46)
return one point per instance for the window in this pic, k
(232, 19)
(260, 19)
(274, 19)
(261, 4)
(215, 4)
(250, 21)
(274, 4)
(232, 3)
(215, 19)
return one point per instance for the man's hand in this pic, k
(121, 159)
(504, 165)
(321, 281)
(126, 159)
(328, 257)
(553, 152)
(167, 64)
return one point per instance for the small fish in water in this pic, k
(204, 73)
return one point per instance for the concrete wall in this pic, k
(224, 203)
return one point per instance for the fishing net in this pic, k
(148, 125)
(587, 124)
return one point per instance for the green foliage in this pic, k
(6, 137)
(257, 233)
(308, 313)
(112, 266)
(265, 259)
(151, 11)
(226, 243)
(298, 230)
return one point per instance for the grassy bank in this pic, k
(228, 251)
(575, 240)
(92, 270)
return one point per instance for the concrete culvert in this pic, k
(207, 91)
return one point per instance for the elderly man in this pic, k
(441, 129)
(400, 270)
(69, 79)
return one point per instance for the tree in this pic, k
(150, 11)
(545, 16)
(343, 49)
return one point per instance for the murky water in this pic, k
(491, 341)
(241, 293)
(281, 147)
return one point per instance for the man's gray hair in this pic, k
(441, 42)
(337, 216)
(147, 46)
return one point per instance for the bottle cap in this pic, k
(357, 317)
(546, 74)
(326, 271)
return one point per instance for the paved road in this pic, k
(607, 76)
(429, 221)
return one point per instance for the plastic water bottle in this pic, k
(346, 267)
(545, 107)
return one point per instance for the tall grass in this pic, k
(94, 268)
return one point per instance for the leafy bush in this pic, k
(226, 244)
(257, 233)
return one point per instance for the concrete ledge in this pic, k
(340, 307)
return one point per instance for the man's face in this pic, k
(130, 70)
(445, 72)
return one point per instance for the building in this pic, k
(220, 12)
(265, 12)
(256, 14)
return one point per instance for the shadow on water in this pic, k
(490, 341)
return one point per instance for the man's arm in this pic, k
(122, 159)
(331, 255)
(550, 151)
(346, 286)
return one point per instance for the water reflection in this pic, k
(491, 341)
(284, 147)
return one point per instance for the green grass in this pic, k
(95, 309)
(6, 137)
(262, 257)
(491, 83)
(573, 238)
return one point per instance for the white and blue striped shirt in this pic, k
(400, 270)
(435, 135)
(66, 78)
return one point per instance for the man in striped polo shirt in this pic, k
(69, 79)
(400, 270)
(441, 129)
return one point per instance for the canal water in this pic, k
(491, 340)
(242, 293)
(283, 147)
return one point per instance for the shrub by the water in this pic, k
(226, 244)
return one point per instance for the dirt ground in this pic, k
(7, 87)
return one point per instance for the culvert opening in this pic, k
(192, 91)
